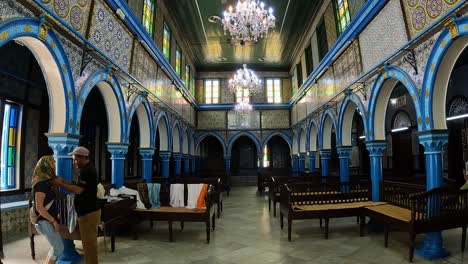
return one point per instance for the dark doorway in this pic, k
(133, 158)
(156, 171)
(360, 161)
(244, 157)
(277, 157)
(212, 155)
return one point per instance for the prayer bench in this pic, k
(174, 214)
(324, 201)
(412, 209)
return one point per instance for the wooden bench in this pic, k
(413, 210)
(324, 201)
(172, 214)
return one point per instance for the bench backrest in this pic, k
(164, 193)
(399, 193)
(325, 193)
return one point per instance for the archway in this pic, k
(328, 140)
(161, 141)
(212, 154)
(244, 156)
(276, 156)
(133, 159)
(313, 143)
(24, 114)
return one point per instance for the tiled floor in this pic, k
(247, 233)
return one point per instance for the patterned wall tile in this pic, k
(108, 34)
(273, 119)
(74, 12)
(326, 87)
(10, 9)
(237, 120)
(422, 13)
(347, 67)
(144, 67)
(383, 36)
(15, 221)
(211, 120)
(74, 56)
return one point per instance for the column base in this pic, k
(432, 247)
(69, 255)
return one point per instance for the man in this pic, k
(85, 202)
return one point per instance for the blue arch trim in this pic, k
(102, 75)
(299, 136)
(175, 126)
(136, 103)
(162, 114)
(391, 72)
(281, 134)
(357, 101)
(441, 46)
(311, 123)
(326, 113)
(29, 27)
(200, 138)
(247, 134)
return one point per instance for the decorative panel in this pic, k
(294, 115)
(383, 36)
(144, 67)
(211, 120)
(330, 25)
(250, 120)
(74, 12)
(347, 67)
(286, 89)
(108, 34)
(301, 109)
(12, 9)
(326, 87)
(15, 221)
(275, 119)
(74, 55)
(226, 95)
(420, 14)
(315, 51)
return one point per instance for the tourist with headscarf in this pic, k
(44, 184)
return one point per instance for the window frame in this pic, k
(151, 20)
(345, 17)
(242, 95)
(187, 76)
(167, 31)
(274, 91)
(211, 89)
(178, 61)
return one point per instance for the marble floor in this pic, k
(247, 233)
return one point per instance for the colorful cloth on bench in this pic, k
(193, 191)
(153, 193)
(177, 195)
(201, 198)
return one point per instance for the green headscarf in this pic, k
(44, 170)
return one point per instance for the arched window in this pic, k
(148, 15)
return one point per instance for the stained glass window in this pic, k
(148, 15)
(211, 91)
(167, 42)
(243, 95)
(342, 14)
(9, 148)
(266, 161)
(178, 62)
(187, 76)
(273, 90)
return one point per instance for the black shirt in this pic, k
(46, 188)
(85, 202)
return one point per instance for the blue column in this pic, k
(295, 163)
(186, 159)
(311, 161)
(147, 163)
(193, 164)
(227, 169)
(343, 154)
(325, 155)
(117, 151)
(301, 159)
(433, 142)
(164, 155)
(177, 163)
(376, 149)
(62, 144)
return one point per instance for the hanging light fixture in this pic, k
(243, 106)
(245, 79)
(249, 21)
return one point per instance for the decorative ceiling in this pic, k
(213, 50)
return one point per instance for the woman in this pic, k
(43, 187)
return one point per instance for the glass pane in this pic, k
(11, 156)
(11, 140)
(277, 83)
(13, 116)
(215, 100)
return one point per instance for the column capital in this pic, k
(433, 140)
(312, 153)
(302, 154)
(164, 155)
(146, 153)
(344, 151)
(62, 143)
(177, 155)
(325, 153)
(186, 156)
(376, 147)
(117, 149)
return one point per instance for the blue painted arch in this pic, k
(200, 138)
(50, 55)
(177, 137)
(302, 140)
(380, 94)
(247, 134)
(161, 123)
(439, 66)
(312, 123)
(283, 135)
(142, 107)
(324, 137)
(345, 118)
(111, 92)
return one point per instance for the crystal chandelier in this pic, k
(245, 79)
(249, 21)
(243, 106)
